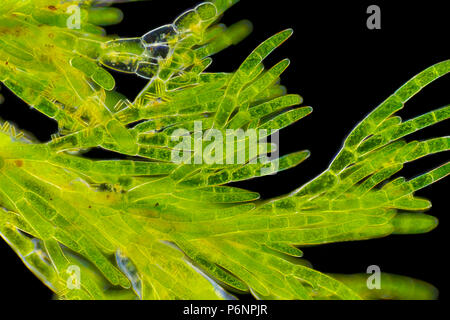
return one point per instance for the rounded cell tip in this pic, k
(414, 223)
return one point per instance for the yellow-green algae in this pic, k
(149, 228)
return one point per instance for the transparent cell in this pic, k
(147, 70)
(162, 34)
(158, 51)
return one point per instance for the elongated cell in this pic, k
(228, 103)
(87, 138)
(105, 16)
(191, 20)
(264, 81)
(96, 73)
(212, 268)
(229, 36)
(124, 139)
(147, 70)
(395, 287)
(130, 270)
(164, 34)
(122, 54)
(285, 119)
(262, 168)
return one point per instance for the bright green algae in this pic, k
(150, 228)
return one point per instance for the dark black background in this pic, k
(343, 70)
